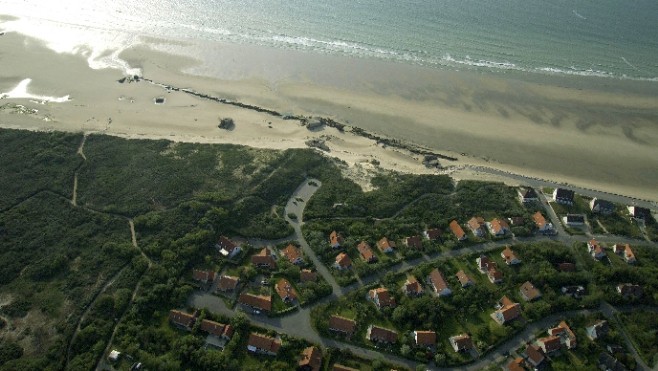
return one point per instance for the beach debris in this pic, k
(226, 123)
(121, 80)
(319, 144)
(314, 124)
(431, 161)
(159, 100)
(18, 109)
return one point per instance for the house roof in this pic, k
(550, 343)
(438, 282)
(509, 255)
(626, 251)
(263, 342)
(433, 234)
(457, 229)
(485, 262)
(499, 226)
(563, 329)
(385, 244)
(366, 252)
(639, 212)
(463, 341)
(528, 193)
(225, 244)
(494, 273)
(342, 324)
(291, 252)
(383, 334)
(539, 219)
(216, 328)
(343, 260)
(629, 289)
(476, 222)
(307, 275)
(227, 283)
(505, 301)
(412, 286)
(425, 337)
(202, 275)
(509, 310)
(566, 267)
(335, 238)
(263, 257)
(463, 278)
(285, 290)
(383, 296)
(181, 318)
(256, 301)
(529, 291)
(414, 241)
(534, 354)
(312, 358)
(575, 218)
(602, 204)
(563, 193)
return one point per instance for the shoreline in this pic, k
(363, 106)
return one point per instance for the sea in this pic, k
(615, 39)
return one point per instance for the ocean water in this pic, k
(603, 38)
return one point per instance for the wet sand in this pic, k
(595, 133)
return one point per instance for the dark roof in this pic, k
(256, 301)
(342, 324)
(382, 334)
(565, 194)
(263, 342)
(529, 193)
(575, 218)
(311, 359)
(227, 283)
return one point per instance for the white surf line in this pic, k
(629, 63)
(20, 91)
(578, 14)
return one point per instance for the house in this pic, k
(438, 283)
(227, 248)
(385, 245)
(601, 206)
(259, 302)
(425, 338)
(293, 254)
(413, 242)
(339, 367)
(597, 329)
(262, 344)
(563, 196)
(227, 283)
(216, 329)
(343, 261)
(457, 230)
(114, 355)
(382, 298)
(628, 290)
(476, 224)
(378, 334)
(566, 267)
(464, 279)
(518, 364)
(498, 227)
(527, 194)
(203, 276)
(509, 256)
(432, 234)
(607, 362)
(529, 292)
(564, 333)
(342, 325)
(574, 220)
(540, 222)
(307, 275)
(182, 319)
(286, 292)
(625, 251)
(461, 342)
(595, 249)
(366, 252)
(573, 291)
(311, 359)
(335, 240)
(534, 356)
(516, 220)
(412, 287)
(549, 344)
(639, 213)
(483, 263)
(507, 311)
(494, 275)
(264, 259)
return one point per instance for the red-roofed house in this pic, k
(413, 242)
(217, 329)
(432, 234)
(494, 275)
(563, 331)
(458, 231)
(498, 227)
(595, 249)
(311, 359)
(307, 275)
(378, 334)
(626, 252)
(534, 355)
(508, 311)
(366, 252)
(343, 261)
(292, 254)
(425, 338)
(182, 319)
(203, 276)
(549, 344)
(464, 279)
(386, 246)
(259, 302)
(484, 263)
(476, 224)
(461, 342)
(382, 297)
(264, 259)
(509, 256)
(263, 344)
(227, 248)
(227, 283)
(541, 223)
(438, 283)
(518, 364)
(335, 240)
(412, 287)
(529, 292)
(342, 324)
(286, 292)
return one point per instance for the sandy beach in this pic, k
(600, 133)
